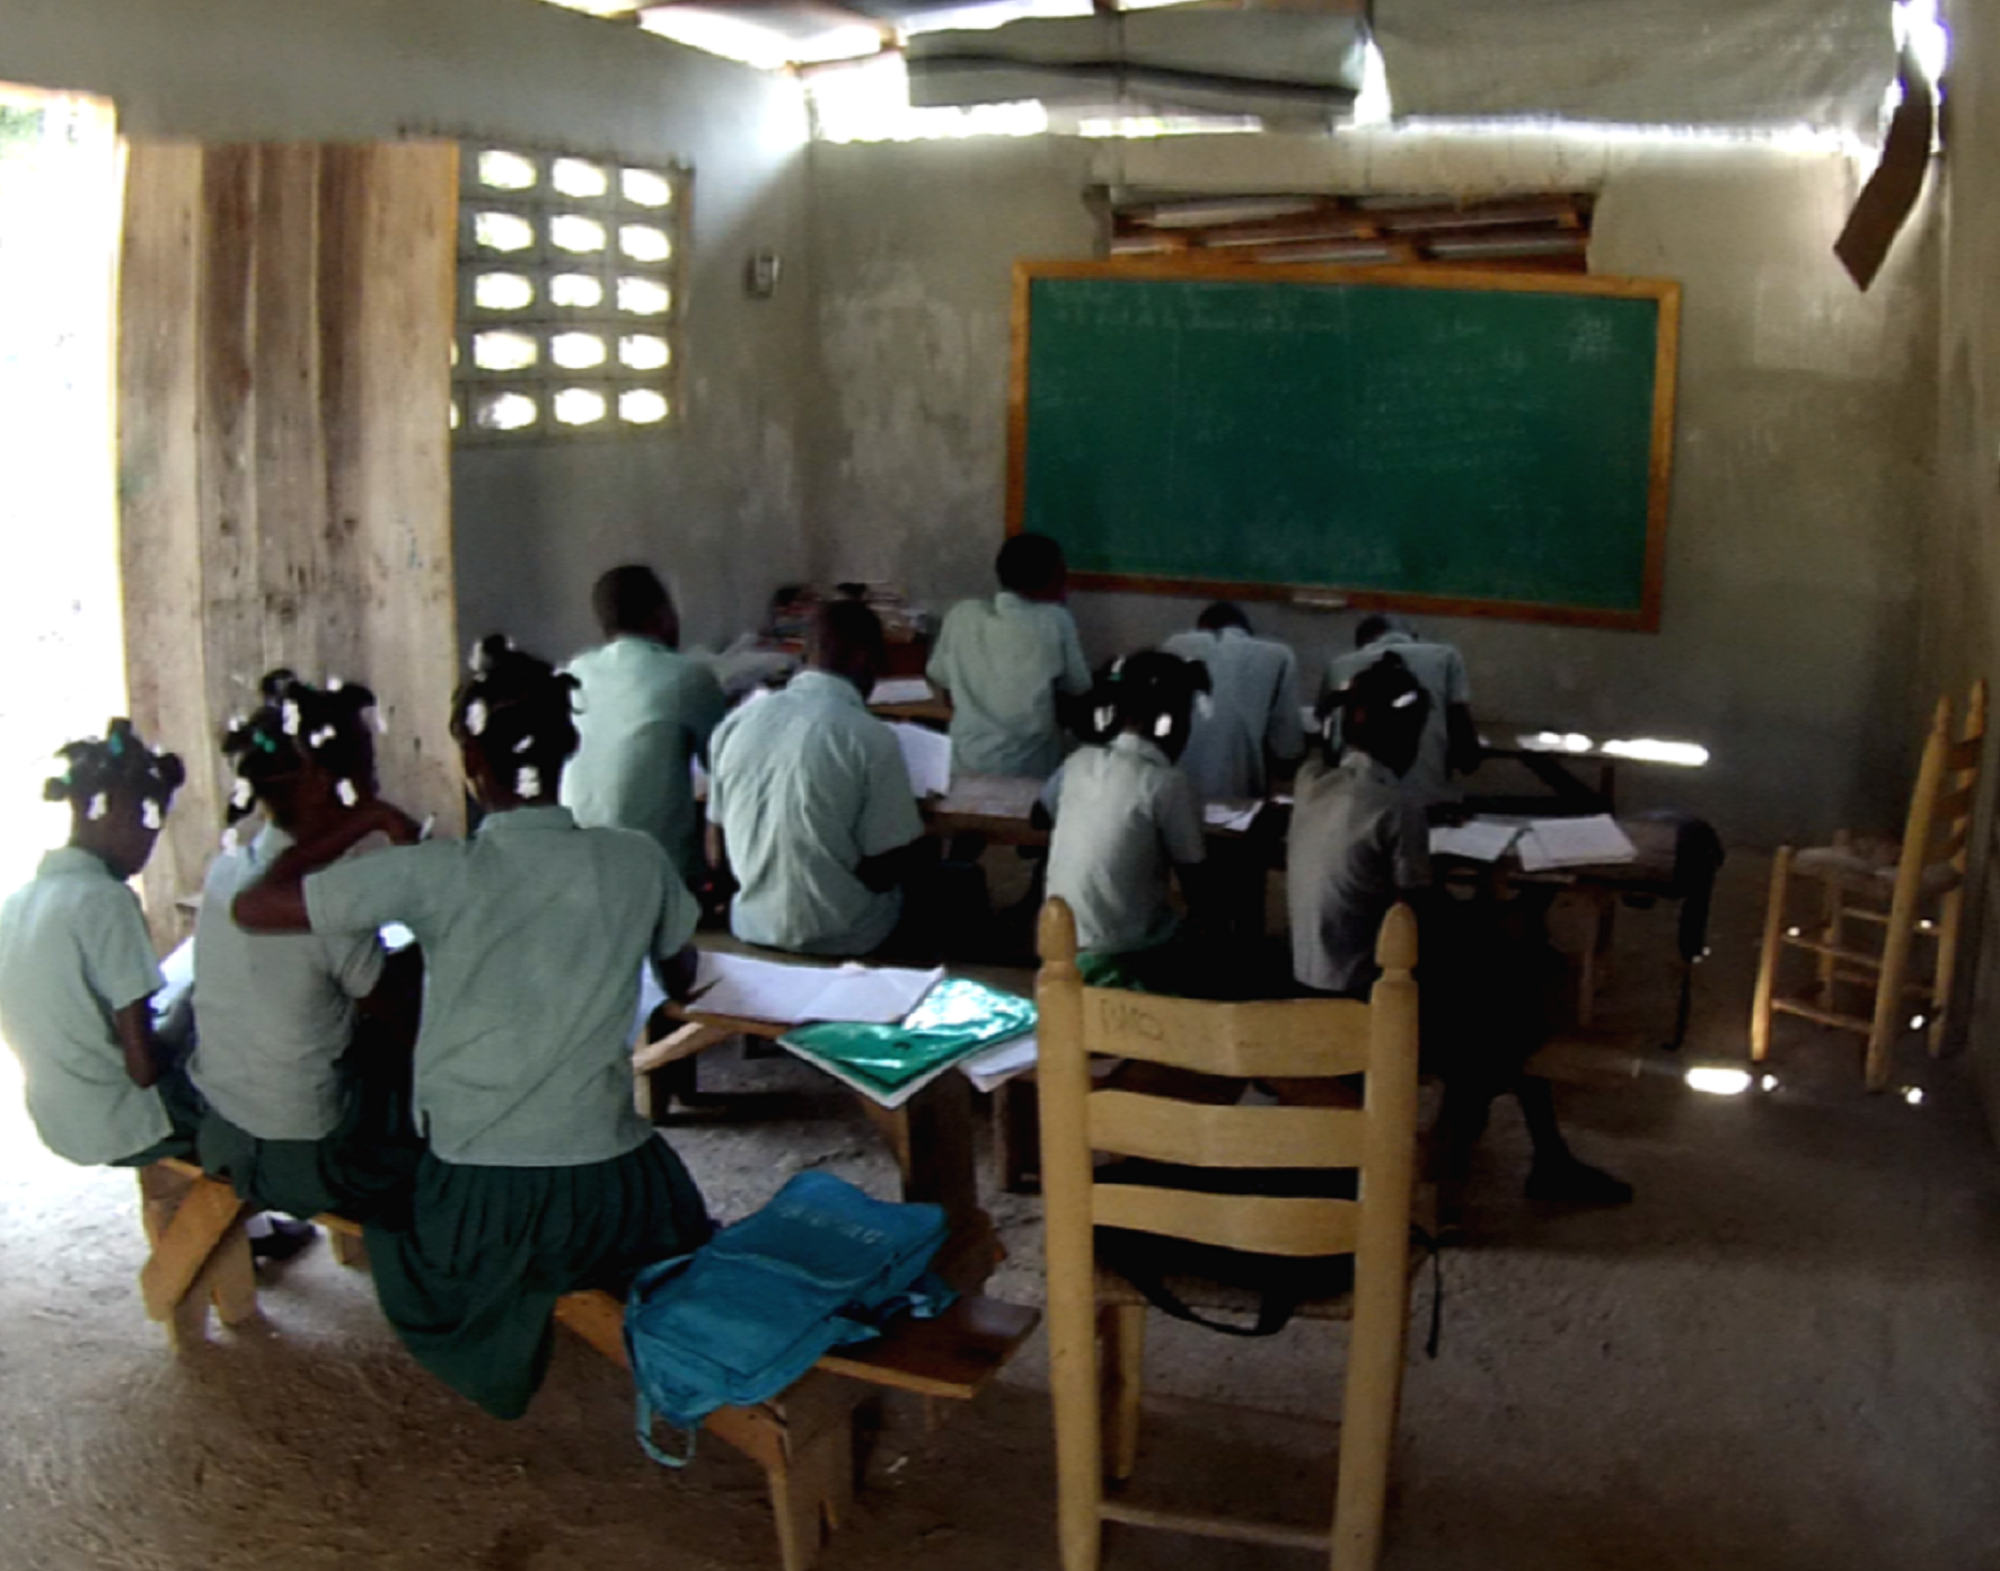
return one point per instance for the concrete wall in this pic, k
(716, 502)
(1961, 565)
(1803, 448)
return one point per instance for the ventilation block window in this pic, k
(569, 271)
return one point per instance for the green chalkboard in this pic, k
(1490, 444)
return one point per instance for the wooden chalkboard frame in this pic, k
(1665, 293)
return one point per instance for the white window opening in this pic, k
(569, 274)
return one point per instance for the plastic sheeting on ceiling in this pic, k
(1268, 63)
(1641, 62)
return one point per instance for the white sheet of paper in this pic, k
(789, 994)
(1478, 840)
(1574, 842)
(1001, 1062)
(1228, 815)
(927, 756)
(651, 996)
(901, 690)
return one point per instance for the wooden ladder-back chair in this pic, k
(1866, 887)
(1296, 1040)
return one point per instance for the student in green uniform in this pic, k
(645, 713)
(1126, 821)
(307, 1095)
(77, 968)
(1252, 719)
(1450, 745)
(540, 1178)
(1359, 844)
(1009, 665)
(809, 805)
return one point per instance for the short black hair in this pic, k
(1028, 564)
(629, 599)
(1223, 613)
(517, 712)
(1377, 623)
(297, 721)
(120, 765)
(1134, 692)
(844, 627)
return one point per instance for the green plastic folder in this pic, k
(891, 1063)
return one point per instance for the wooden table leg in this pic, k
(932, 1138)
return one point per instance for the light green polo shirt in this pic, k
(645, 713)
(73, 952)
(1003, 660)
(1440, 671)
(533, 933)
(1252, 712)
(806, 784)
(1125, 818)
(274, 1012)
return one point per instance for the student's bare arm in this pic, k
(276, 903)
(135, 1041)
(676, 973)
(398, 999)
(891, 868)
(1463, 751)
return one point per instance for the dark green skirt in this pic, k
(362, 1170)
(185, 1110)
(471, 1285)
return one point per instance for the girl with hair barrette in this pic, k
(1127, 821)
(539, 1176)
(78, 972)
(303, 1045)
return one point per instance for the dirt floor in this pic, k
(1782, 1357)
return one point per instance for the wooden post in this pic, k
(1767, 963)
(1381, 1276)
(1063, 1079)
(1889, 1000)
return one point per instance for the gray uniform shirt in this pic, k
(274, 1011)
(1003, 660)
(806, 784)
(533, 933)
(1253, 711)
(73, 952)
(1359, 843)
(1125, 818)
(644, 714)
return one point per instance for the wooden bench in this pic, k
(803, 1438)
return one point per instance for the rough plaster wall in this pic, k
(1804, 434)
(1961, 626)
(715, 503)
(913, 249)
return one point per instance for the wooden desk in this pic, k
(1001, 807)
(1560, 769)
(930, 1136)
(931, 711)
(1654, 874)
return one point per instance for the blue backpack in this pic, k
(748, 1313)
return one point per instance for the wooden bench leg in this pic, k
(203, 1229)
(349, 1249)
(804, 1440)
(812, 1489)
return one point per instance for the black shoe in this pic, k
(286, 1239)
(1574, 1183)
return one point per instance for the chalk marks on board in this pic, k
(1450, 441)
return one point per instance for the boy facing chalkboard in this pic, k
(1004, 662)
(1450, 743)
